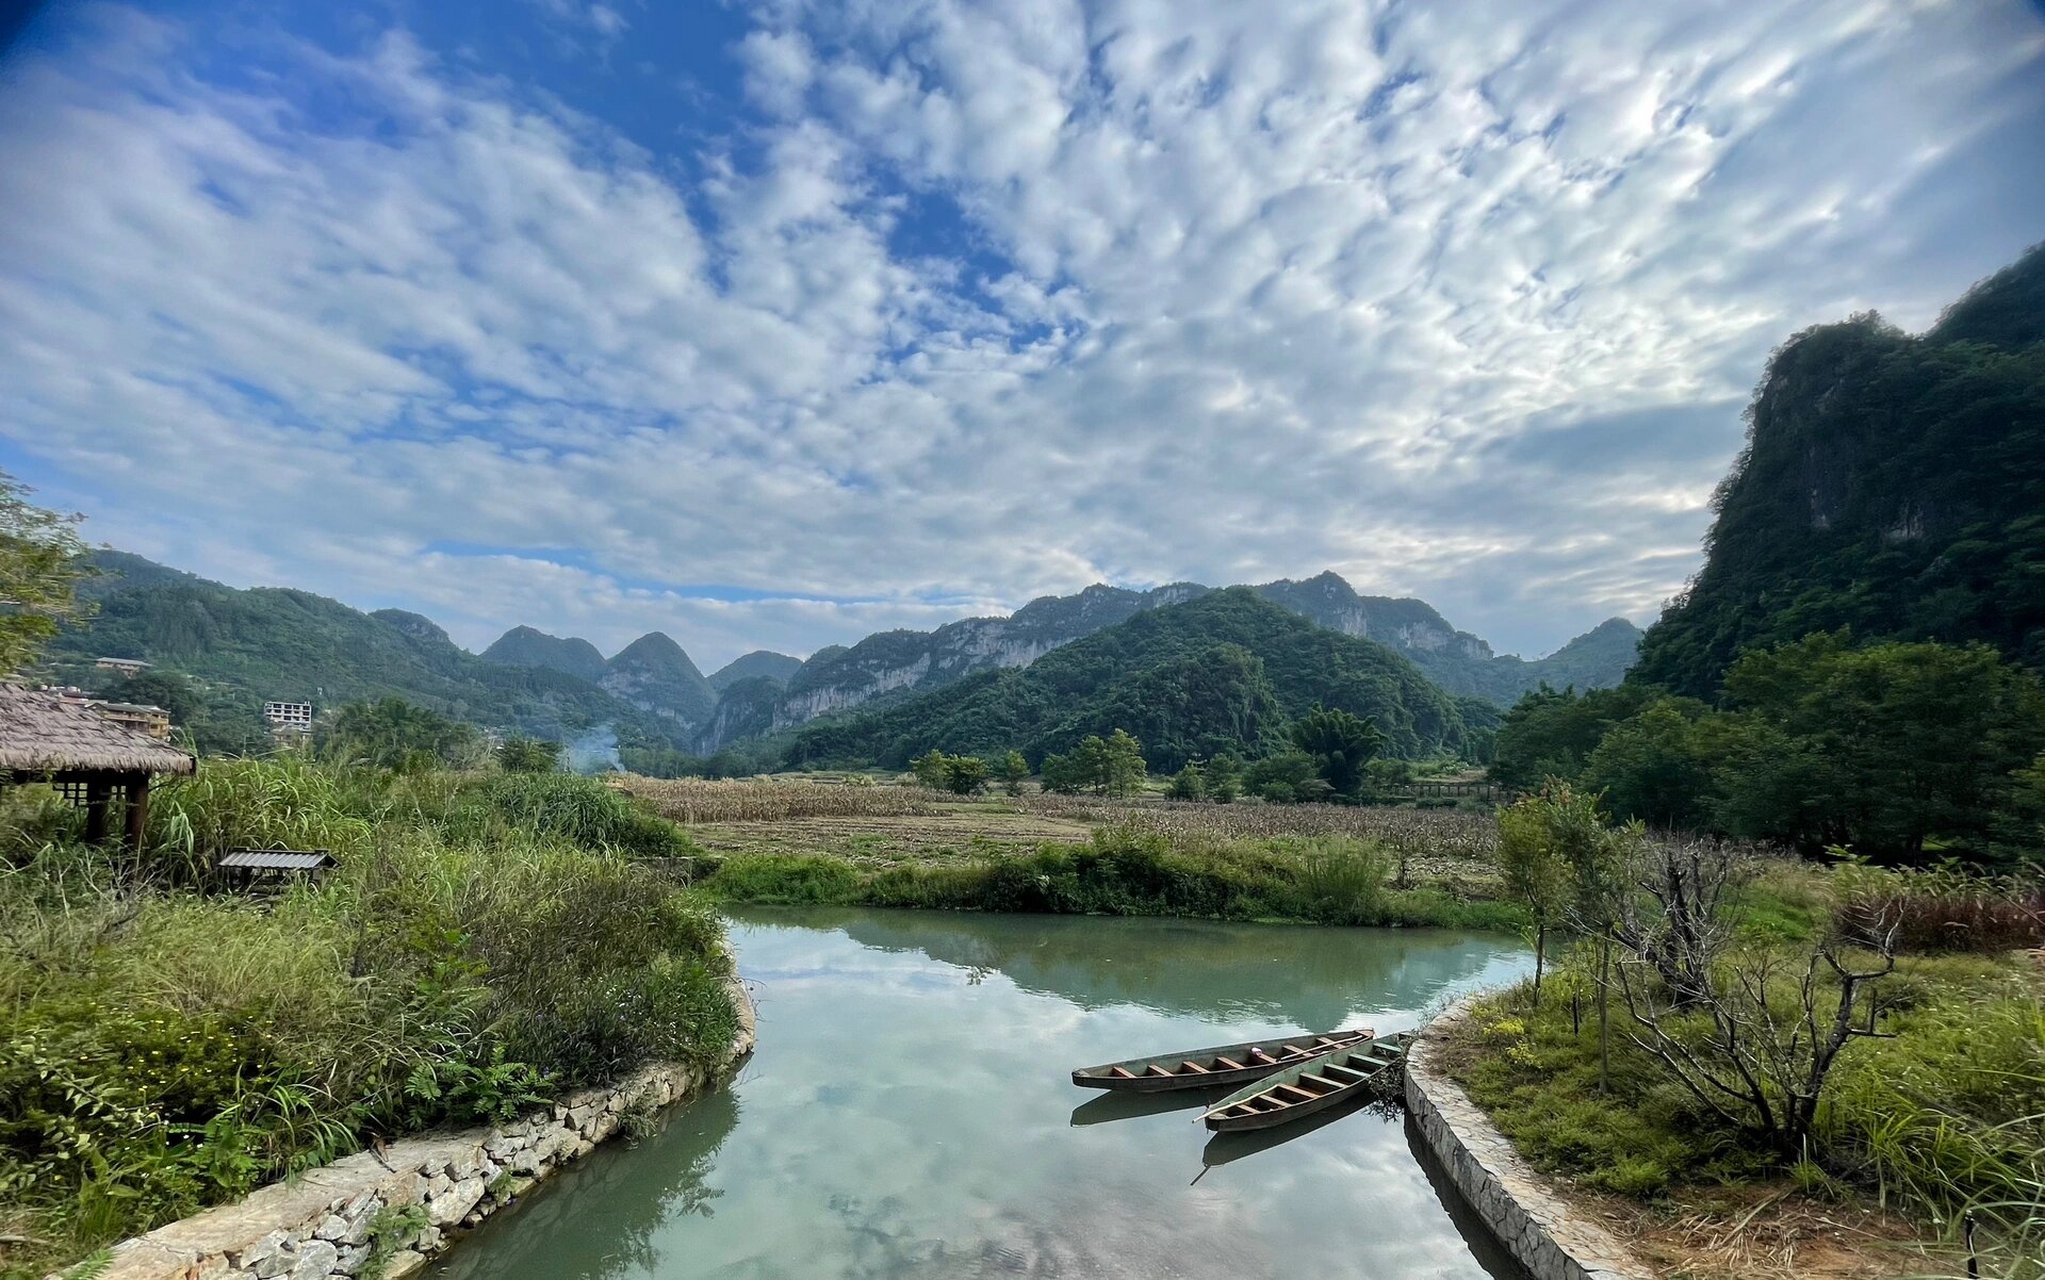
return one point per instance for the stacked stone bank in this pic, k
(386, 1211)
(1547, 1238)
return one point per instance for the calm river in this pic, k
(908, 1113)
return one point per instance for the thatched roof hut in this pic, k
(44, 737)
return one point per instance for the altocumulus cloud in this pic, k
(955, 304)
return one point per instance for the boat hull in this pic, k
(1285, 1096)
(1280, 1052)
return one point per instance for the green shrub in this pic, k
(566, 806)
(797, 881)
(1340, 881)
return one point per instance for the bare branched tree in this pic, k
(1678, 923)
(1758, 1035)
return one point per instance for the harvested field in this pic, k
(942, 833)
(882, 825)
(691, 801)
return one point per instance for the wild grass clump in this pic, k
(1948, 1118)
(169, 1049)
(564, 806)
(1944, 909)
(283, 803)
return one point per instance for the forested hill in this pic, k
(760, 664)
(250, 646)
(652, 673)
(1891, 484)
(892, 665)
(1225, 671)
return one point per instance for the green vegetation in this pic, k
(1128, 871)
(488, 941)
(961, 775)
(1226, 672)
(1110, 766)
(1898, 751)
(1889, 485)
(236, 649)
(1725, 1021)
(528, 755)
(41, 564)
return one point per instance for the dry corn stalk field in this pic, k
(692, 801)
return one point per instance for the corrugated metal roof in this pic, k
(276, 859)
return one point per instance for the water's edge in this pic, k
(325, 1224)
(1536, 1228)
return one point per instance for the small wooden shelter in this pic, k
(87, 757)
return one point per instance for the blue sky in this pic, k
(776, 324)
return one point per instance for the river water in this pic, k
(909, 1114)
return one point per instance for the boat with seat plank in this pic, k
(1228, 1064)
(1306, 1087)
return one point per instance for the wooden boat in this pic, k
(1302, 1089)
(1228, 1064)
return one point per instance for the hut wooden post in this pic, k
(138, 813)
(45, 737)
(97, 795)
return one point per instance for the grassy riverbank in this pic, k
(488, 941)
(1941, 1115)
(789, 843)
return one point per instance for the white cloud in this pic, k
(986, 301)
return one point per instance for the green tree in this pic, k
(1014, 770)
(391, 733)
(1902, 750)
(1534, 870)
(1189, 783)
(1550, 735)
(1224, 778)
(1286, 777)
(528, 755)
(1341, 745)
(1124, 766)
(964, 775)
(1061, 774)
(41, 564)
(929, 769)
(1655, 766)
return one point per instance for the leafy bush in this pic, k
(565, 806)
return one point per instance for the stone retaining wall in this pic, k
(1538, 1229)
(390, 1209)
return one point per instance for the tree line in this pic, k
(1905, 752)
(1327, 755)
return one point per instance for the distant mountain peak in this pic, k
(760, 664)
(655, 674)
(529, 647)
(417, 626)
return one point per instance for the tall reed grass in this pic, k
(485, 943)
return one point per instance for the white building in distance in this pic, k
(292, 717)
